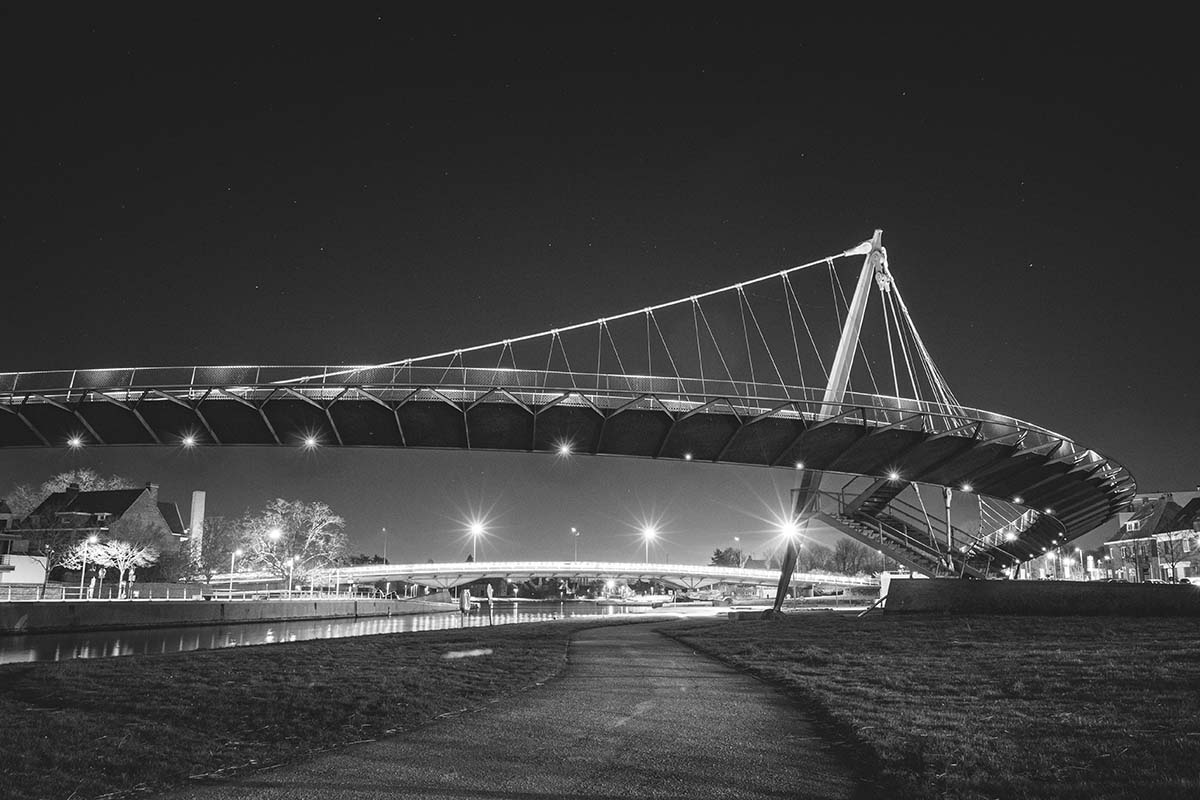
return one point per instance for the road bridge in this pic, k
(678, 576)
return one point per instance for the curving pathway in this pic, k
(634, 714)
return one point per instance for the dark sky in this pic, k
(225, 186)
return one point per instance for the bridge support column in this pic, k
(948, 496)
(808, 486)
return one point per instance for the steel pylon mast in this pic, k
(808, 482)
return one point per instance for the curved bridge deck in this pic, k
(1073, 489)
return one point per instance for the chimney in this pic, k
(72, 490)
(196, 526)
(153, 489)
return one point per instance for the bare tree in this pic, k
(850, 557)
(222, 536)
(60, 548)
(1172, 547)
(310, 533)
(813, 557)
(124, 556)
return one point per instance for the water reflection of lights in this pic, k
(97, 644)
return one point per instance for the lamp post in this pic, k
(87, 543)
(383, 533)
(274, 534)
(649, 533)
(575, 538)
(291, 566)
(232, 556)
(476, 532)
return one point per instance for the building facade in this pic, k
(1159, 540)
(117, 513)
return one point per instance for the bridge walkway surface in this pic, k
(634, 714)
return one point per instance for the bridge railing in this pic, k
(476, 570)
(473, 384)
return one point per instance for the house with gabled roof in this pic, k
(118, 513)
(1159, 540)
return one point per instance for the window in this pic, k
(1133, 525)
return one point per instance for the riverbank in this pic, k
(87, 728)
(1028, 708)
(63, 616)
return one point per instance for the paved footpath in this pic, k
(634, 714)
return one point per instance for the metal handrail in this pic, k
(896, 533)
(482, 384)
(64, 384)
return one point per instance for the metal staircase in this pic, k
(899, 530)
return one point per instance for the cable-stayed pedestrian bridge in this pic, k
(787, 370)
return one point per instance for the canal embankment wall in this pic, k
(1050, 598)
(51, 617)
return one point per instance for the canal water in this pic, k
(105, 644)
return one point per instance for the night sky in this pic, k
(360, 186)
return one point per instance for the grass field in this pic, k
(991, 707)
(88, 727)
(935, 707)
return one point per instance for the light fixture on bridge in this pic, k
(687, 456)
(799, 465)
(1017, 499)
(893, 475)
(188, 441)
(1049, 510)
(310, 442)
(75, 442)
(966, 487)
(564, 448)
(790, 529)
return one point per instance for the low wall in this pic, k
(44, 617)
(1052, 598)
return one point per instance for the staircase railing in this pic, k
(898, 533)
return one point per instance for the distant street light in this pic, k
(383, 533)
(232, 556)
(575, 538)
(649, 533)
(87, 543)
(476, 531)
(291, 567)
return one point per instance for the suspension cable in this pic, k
(746, 333)
(807, 328)
(762, 338)
(573, 327)
(716, 345)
